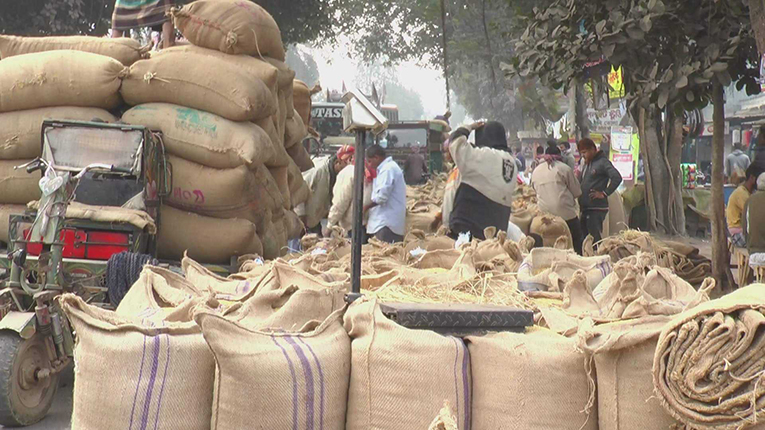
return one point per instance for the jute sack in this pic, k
(163, 369)
(286, 76)
(230, 26)
(209, 240)
(298, 379)
(123, 49)
(551, 228)
(623, 352)
(299, 191)
(184, 78)
(202, 137)
(274, 236)
(281, 158)
(301, 157)
(548, 269)
(389, 387)
(301, 96)
(281, 178)
(295, 131)
(5, 219)
(294, 226)
(523, 218)
(535, 380)
(17, 186)
(211, 191)
(60, 78)
(159, 292)
(20, 131)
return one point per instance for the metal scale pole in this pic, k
(358, 215)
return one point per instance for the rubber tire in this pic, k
(11, 414)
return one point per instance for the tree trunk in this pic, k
(660, 178)
(649, 198)
(674, 154)
(582, 124)
(757, 15)
(720, 256)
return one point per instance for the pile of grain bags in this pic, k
(222, 104)
(68, 78)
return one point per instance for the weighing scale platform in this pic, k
(458, 319)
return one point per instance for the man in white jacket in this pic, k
(341, 212)
(488, 179)
(321, 180)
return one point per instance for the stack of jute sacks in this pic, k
(68, 78)
(223, 105)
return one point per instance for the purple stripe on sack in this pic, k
(456, 386)
(321, 383)
(294, 385)
(152, 379)
(164, 378)
(466, 383)
(138, 384)
(309, 402)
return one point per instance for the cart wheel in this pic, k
(25, 396)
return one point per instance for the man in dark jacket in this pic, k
(754, 230)
(415, 167)
(600, 179)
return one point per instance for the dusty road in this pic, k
(60, 413)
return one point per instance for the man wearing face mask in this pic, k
(487, 180)
(321, 180)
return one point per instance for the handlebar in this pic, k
(39, 164)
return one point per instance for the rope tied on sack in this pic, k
(122, 271)
(149, 76)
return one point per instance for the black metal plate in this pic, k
(458, 319)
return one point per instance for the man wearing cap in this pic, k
(321, 180)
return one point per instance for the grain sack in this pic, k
(551, 228)
(523, 218)
(548, 269)
(281, 178)
(298, 379)
(535, 380)
(230, 26)
(623, 353)
(161, 370)
(295, 131)
(123, 49)
(254, 67)
(17, 186)
(423, 221)
(5, 215)
(301, 95)
(202, 137)
(281, 158)
(219, 192)
(60, 78)
(418, 239)
(20, 131)
(158, 292)
(184, 78)
(286, 76)
(708, 365)
(209, 240)
(227, 289)
(295, 227)
(301, 157)
(274, 236)
(299, 191)
(389, 389)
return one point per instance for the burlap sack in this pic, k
(274, 236)
(209, 240)
(299, 191)
(285, 77)
(623, 353)
(158, 293)
(202, 137)
(161, 371)
(5, 214)
(423, 221)
(295, 227)
(255, 67)
(299, 379)
(281, 158)
(389, 389)
(219, 192)
(523, 218)
(301, 95)
(301, 157)
(419, 239)
(17, 186)
(227, 289)
(230, 26)
(281, 178)
(548, 269)
(20, 132)
(184, 78)
(535, 380)
(60, 78)
(551, 228)
(295, 131)
(123, 49)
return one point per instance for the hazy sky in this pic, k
(335, 66)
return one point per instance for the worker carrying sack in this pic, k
(123, 49)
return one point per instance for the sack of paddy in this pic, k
(523, 218)
(158, 293)
(623, 354)
(184, 78)
(419, 239)
(301, 157)
(278, 379)
(161, 369)
(202, 137)
(206, 239)
(532, 380)
(5, 219)
(281, 158)
(221, 193)
(60, 78)
(17, 186)
(226, 289)
(230, 26)
(295, 131)
(274, 236)
(285, 76)
(551, 228)
(548, 269)
(123, 49)
(294, 226)
(20, 131)
(708, 365)
(281, 178)
(301, 95)
(389, 389)
(299, 190)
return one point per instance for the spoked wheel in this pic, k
(26, 386)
